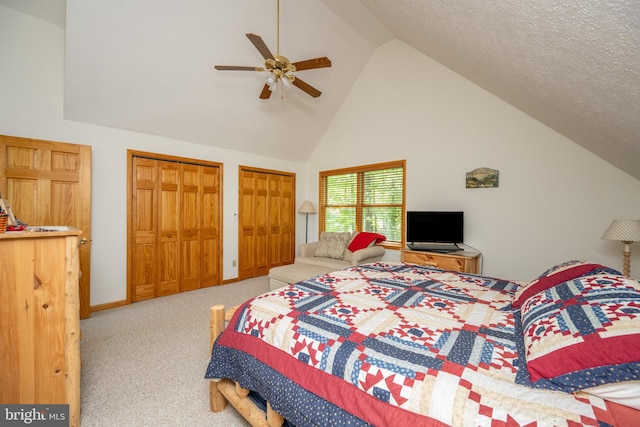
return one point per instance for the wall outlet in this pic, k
(234, 263)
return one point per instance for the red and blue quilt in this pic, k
(390, 344)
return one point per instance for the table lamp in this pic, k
(307, 208)
(627, 231)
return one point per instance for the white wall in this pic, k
(31, 105)
(554, 201)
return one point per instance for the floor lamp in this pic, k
(307, 208)
(626, 231)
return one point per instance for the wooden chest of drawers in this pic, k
(40, 318)
(462, 261)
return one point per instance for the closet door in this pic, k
(145, 230)
(275, 213)
(246, 225)
(190, 224)
(210, 231)
(287, 220)
(261, 212)
(266, 221)
(175, 227)
(169, 183)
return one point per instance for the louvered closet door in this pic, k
(176, 227)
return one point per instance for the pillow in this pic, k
(584, 332)
(365, 239)
(332, 245)
(558, 274)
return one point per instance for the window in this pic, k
(365, 198)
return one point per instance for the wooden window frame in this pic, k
(360, 205)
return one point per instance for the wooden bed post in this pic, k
(224, 390)
(217, 402)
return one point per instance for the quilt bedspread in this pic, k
(395, 344)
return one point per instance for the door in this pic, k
(266, 221)
(49, 183)
(174, 226)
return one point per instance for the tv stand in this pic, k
(463, 260)
(442, 248)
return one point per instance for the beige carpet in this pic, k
(144, 364)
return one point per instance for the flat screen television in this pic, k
(435, 230)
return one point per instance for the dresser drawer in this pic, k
(455, 262)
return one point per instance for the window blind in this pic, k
(365, 198)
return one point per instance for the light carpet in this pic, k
(143, 364)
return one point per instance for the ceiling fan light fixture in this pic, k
(279, 66)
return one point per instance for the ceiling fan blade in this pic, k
(310, 64)
(237, 68)
(266, 93)
(306, 87)
(260, 45)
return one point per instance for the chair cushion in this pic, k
(293, 273)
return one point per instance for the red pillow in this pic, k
(364, 239)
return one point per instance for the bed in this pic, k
(400, 344)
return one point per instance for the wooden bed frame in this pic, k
(224, 390)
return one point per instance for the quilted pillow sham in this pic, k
(558, 274)
(584, 332)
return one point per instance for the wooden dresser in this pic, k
(462, 261)
(40, 318)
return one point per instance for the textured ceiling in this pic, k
(572, 65)
(147, 65)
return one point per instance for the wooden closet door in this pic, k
(145, 230)
(266, 221)
(275, 214)
(175, 227)
(287, 220)
(281, 229)
(169, 183)
(246, 225)
(190, 225)
(49, 183)
(261, 211)
(210, 232)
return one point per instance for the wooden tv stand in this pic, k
(466, 261)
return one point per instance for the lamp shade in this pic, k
(307, 208)
(623, 230)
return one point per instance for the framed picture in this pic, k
(4, 205)
(483, 178)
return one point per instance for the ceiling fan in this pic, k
(279, 67)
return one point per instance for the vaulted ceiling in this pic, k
(147, 65)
